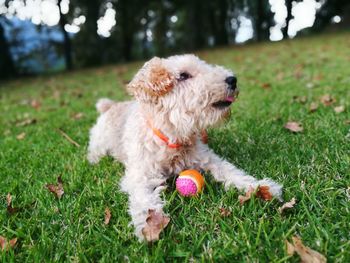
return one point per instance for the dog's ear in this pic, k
(153, 80)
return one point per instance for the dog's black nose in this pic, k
(232, 80)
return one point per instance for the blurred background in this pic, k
(45, 36)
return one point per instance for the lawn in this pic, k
(278, 82)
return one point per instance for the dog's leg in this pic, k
(144, 196)
(95, 152)
(227, 173)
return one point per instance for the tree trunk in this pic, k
(196, 37)
(7, 68)
(91, 52)
(259, 20)
(288, 18)
(126, 28)
(222, 34)
(67, 41)
(161, 27)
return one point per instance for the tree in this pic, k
(90, 51)
(263, 19)
(288, 18)
(218, 14)
(327, 11)
(7, 67)
(67, 40)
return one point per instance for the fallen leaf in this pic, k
(327, 100)
(9, 199)
(298, 71)
(290, 248)
(266, 85)
(156, 222)
(339, 109)
(35, 104)
(11, 210)
(78, 116)
(313, 106)
(21, 136)
(56, 189)
(302, 99)
(287, 205)
(318, 77)
(347, 122)
(107, 215)
(244, 198)
(307, 255)
(224, 212)
(6, 245)
(26, 122)
(293, 126)
(264, 192)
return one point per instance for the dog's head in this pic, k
(192, 94)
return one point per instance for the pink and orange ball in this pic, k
(189, 183)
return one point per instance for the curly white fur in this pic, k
(181, 109)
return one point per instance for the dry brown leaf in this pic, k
(11, 210)
(35, 104)
(57, 190)
(327, 100)
(156, 222)
(6, 245)
(107, 215)
(307, 255)
(8, 199)
(298, 71)
(287, 205)
(302, 99)
(290, 248)
(313, 106)
(293, 126)
(224, 212)
(78, 116)
(266, 85)
(21, 136)
(244, 198)
(26, 122)
(318, 77)
(264, 192)
(339, 109)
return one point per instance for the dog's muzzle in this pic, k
(232, 94)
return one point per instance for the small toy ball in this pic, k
(189, 183)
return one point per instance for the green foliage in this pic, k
(313, 165)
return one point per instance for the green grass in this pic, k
(314, 166)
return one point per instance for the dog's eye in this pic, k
(184, 76)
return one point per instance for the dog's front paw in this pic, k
(267, 189)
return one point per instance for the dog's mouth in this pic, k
(222, 104)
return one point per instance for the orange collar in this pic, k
(164, 138)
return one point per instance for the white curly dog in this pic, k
(158, 134)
